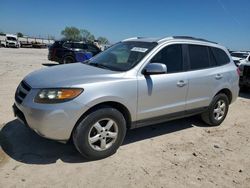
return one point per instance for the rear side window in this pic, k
(78, 45)
(220, 56)
(171, 56)
(199, 58)
(67, 45)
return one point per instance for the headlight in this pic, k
(57, 95)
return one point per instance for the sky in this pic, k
(224, 21)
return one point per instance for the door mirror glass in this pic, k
(155, 68)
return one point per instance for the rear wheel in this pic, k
(68, 59)
(100, 133)
(217, 110)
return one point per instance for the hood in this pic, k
(69, 75)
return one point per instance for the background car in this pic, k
(244, 82)
(69, 52)
(240, 57)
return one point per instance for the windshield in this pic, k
(11, 38)
(122, 56)
(239, 55)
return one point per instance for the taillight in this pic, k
(53, 52)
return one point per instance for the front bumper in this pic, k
(53, 121)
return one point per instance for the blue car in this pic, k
(69, 52)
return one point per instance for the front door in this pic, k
(163, 94)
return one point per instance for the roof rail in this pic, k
(193, 38)
(133, 38)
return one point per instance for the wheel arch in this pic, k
(68, 55)
(227, 92)
(119, 106)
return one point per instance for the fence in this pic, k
(31, 40)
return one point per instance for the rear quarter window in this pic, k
(220, 56)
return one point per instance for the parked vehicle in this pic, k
(105, 47)
(134, 83)
(69, 52)
(244, 76)
(240, 57)
(10, 41)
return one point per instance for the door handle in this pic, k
(181, 83)
(218, 76)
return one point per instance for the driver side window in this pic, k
(171, 56)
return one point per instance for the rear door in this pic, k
(205, 75)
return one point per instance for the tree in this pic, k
(103, 40)
(19, 34)
(86, 35)
(71, 33)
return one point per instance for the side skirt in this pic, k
(168, 117)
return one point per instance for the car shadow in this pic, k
(24, 145)
(50, 64)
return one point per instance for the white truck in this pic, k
(10, 41)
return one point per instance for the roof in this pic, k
(160, 40)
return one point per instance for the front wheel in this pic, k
(217, 110)
(100, 133)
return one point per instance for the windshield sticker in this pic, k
(137, 49)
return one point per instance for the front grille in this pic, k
(21, 92)
(246, 72)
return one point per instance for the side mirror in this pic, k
(155, 68)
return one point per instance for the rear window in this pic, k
(199, 58)
(220, 56)
(56, 44)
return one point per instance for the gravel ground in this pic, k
(182, 153)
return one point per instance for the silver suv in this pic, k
(136, 82)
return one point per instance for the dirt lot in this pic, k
(183, 153)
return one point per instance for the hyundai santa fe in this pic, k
(136, 82)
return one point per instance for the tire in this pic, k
(211, 116)
(68, 59)
(92, 128)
